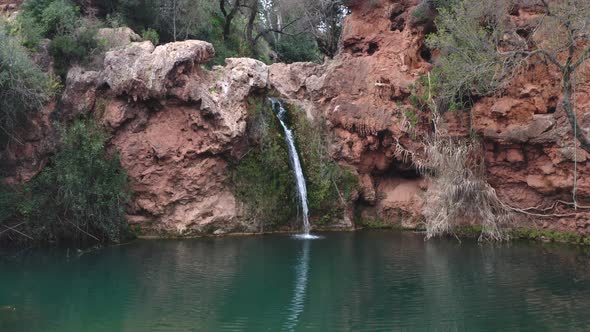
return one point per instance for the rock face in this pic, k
(176, 125)
(8, 7)
(530, 150)
(362, 94)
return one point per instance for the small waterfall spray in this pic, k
(295, 164)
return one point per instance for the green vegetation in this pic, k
(263, 178)
(329, 186)
(80, 195)
(23, 86)
(151, 35)
(468, 64)
(545, 235)
(73, 38)
(376, 223)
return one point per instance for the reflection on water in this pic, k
(297, 303)
(367, 281)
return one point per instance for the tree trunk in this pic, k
(570, 111)
(228, 16)
(250, 27)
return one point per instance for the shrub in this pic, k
(73, 38)
(458, 192)
(81, 195)
(9, 199)
(58, 18)
(84, 190)
(151, 35)
(74, 48)
(23, 86)
(298, 48)
(469, 64)
(29, 30)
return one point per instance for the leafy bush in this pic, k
(23, 86)
(29, 30)
(73, 37)
(298, 48)
(151, 35)
(469, 64)
(84, 190)
(81, 195)
(58, 18)
(9, 200)
(76, 47)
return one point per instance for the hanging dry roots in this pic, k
(458, 192)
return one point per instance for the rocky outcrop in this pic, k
(363, 94)
(9, 7)
(142, 71)
(117, 37)
(177, 125)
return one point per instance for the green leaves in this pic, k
(90, 186)
(467, 36)
(23, 86)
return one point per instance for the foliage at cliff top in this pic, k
(73, 37)
(270, 30)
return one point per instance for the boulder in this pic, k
(142, 71)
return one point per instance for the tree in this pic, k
(479, 51)
(324, 19)
(229, 9)
(265, 21)
(567, 23)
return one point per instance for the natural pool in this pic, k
(363, 281)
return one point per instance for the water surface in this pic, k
(364, 281)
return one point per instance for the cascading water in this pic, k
(295, 164)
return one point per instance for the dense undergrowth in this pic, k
(80, 196)
(263, 178)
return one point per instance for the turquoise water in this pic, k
(364, 281)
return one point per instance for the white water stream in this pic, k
(296, 165)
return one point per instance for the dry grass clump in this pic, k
(458, 192)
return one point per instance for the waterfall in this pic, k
(295, 163)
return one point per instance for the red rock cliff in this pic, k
(176, 125)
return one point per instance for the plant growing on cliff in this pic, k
(82, 193)
(329, 185)
(262, 176)
(458, 192)
(480, 52)
(467, 36)
(23, 86)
